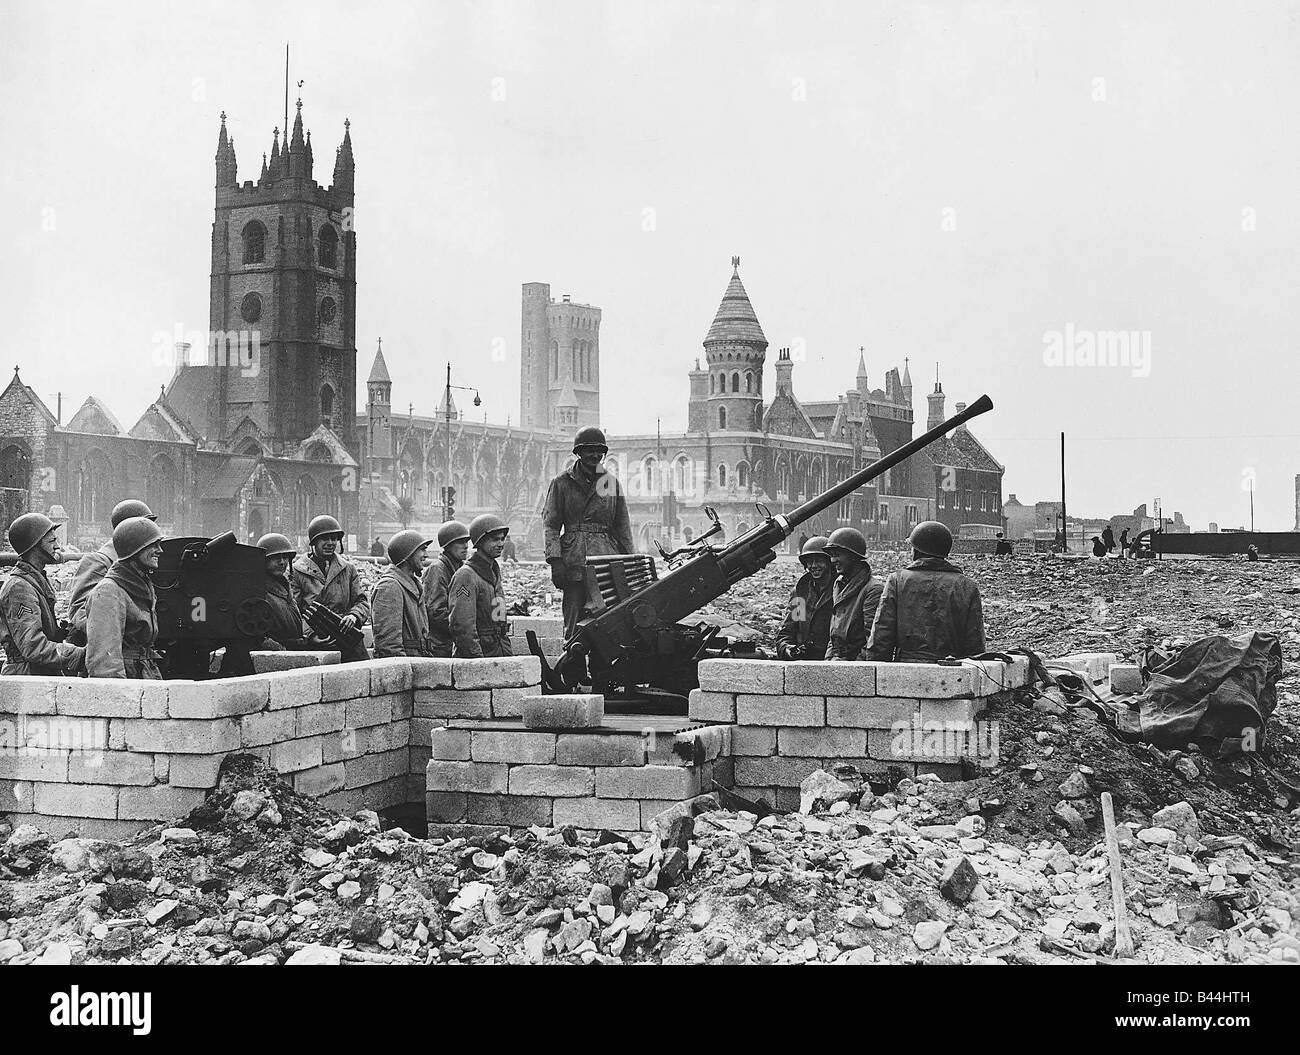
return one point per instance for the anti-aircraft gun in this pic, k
(634, 650)
(211, 594)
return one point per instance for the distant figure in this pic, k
(1004, 547)
(1108, 537)
(508, 553)
(377, 548)
(1252, 552)
(1098, 547)
(1123, 543)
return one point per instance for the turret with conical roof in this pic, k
(735, 349)
(344, 166)
(226, 166)
(379, 398)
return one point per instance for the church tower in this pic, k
(734, 350)
(282, 309)
(379, 407)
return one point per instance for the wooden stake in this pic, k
(1123, 939)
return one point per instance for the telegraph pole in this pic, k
(1065, 542)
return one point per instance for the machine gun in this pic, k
(211, 594)
(637, 653)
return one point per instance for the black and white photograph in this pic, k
(702, 482)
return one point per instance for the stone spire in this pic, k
(344, 166)
(226, 167)
(862, 386)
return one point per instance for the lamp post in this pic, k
(446, 409)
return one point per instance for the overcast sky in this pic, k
(950, 182)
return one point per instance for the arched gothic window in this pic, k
(254, 243)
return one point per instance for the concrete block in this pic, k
(183, 736)
(822, 743)
(879, 712)
(15, 796)
(480, 777)
(562, 712)
(403, 705)
(347, 681)
(552, 781)
(543, 625)
(620, 815)
(159, 803)
(647, 782)
(32, 763)
(780, 710)
(742, 675)
(911, 744)
(430, 673)
(363, 771)
(509, 703)
(161, 769)
(294, 756)
(367, 711)
(774, 772)
(960, 712)
(111, 767)
(924, 680)
(93, 697)
(153, 699)
(220, 698)
(514, 810)
(788, 799)
(453, 703)
(318, 718)
(450, 745)
(1094, 665)
(711, 706)
(274, 662)
(990, 675)
(501, 673)
(1125, 679)
(693, 747)
(269, 727)
(194, 771)
(594, 749)
(294, 688)
(753, 740)
(389, 675)
(724, 773)
(76, 800)
(830, 679)
(117, 733)
(515, 748)
(397, 764)
(450, 807)
(1018, 672)
(29, 694)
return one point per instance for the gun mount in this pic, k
(635, 650)
(211, 594)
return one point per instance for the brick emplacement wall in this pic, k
(108, 757)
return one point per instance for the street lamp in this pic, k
(448, 492)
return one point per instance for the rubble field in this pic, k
(1009, 866)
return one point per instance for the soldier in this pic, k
(929, 610)
(477, 616)
(585, 515)
(397, 613)
(32, 639)
(94, 566)
(121, 624)
(856, 594)
(325, 576)
(453, 540)
(286, 628)
(807, 626)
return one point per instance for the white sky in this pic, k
(823, 150)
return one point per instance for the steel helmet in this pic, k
(276, 545)
(849, 540)
(27, 531)
(931, 538)
(130, 507)
(485, 524)
(589, 437)
(452, 531)
(323, 526)
(133, 535)
(814, 547)
(404, 543)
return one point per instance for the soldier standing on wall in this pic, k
(453, 540)
(286, 628)
(121, 622)
(585, 514)
(329, 579)
(477, 617)
(397, 613)
(94, 566)
(856, 594)
(32, 639)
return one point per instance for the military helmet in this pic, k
(133, 535)
(814, 547)
(404, 543)
(590, 436)
(485, 524)
(26, 532)
(323, 526)
(452, 531)
(849, 540)
(276, 545)
(130, 507)
(931, 538)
